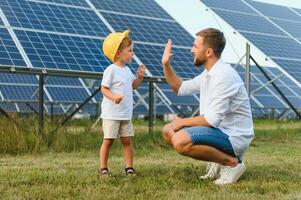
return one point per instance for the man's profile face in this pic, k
(200, 51)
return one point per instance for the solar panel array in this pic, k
(67, 35)
(274, 29)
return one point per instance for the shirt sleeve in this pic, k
(220, 98)
(107, 78)
(190, 87)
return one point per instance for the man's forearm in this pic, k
(172, 79)
(195, 121)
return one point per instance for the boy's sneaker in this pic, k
(129, 171)
(104, 172)
(212, 171)
(230, 174)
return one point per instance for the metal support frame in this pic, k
(41, 103)
(248, 70)
(276, 88)
(75, 111)
(151, 109)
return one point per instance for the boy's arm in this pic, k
(140, 75)
(113, 97)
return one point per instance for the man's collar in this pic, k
(214, 67)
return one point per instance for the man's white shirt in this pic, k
(224, 103)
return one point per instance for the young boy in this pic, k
(117, 87)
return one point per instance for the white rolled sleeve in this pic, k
(190, 87)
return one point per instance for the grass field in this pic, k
(68, 168)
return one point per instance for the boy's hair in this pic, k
(215, 39)
(126, 42)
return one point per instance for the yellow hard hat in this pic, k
(112, 43)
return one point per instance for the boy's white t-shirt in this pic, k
(119, 80)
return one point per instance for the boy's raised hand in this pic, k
(141, 71)
(118, 98)
(167, 54)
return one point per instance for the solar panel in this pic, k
(252, 23)
(292, 66)
(276, 47)
(48, 17)
(8, 107)
(143, 8)
(9, 54)
(234, 5)
(80, 3)
(70, 94)
(264, 95)
(62, 52)
(293, 28)
(18, 92)
(150, 30)
(269, 38)
(297, 10)
(276, 11)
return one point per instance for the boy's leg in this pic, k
(110, 132)
(127, 150)
(104, 152)
(126, 132)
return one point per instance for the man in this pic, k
(223, 130)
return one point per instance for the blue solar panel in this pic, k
(57, 109)
(292, 66)
(81, 3)
(17, 78)
(253, 23)
(276, 11)
(293, 28)
(149, 30)
(145, 8)
(25, 107)
(70, 94)
(276, 46)
(63, 81)
(19, 92)
(63, 52)
(9, 54)
(8, 107)
(232, 5)
(49, 17)
(268, 102)
(297, 10)
(151, 55)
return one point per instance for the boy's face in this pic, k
(126, 54)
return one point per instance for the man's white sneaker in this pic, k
(230, 174)
(212, 171)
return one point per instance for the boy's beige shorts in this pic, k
(113, 129)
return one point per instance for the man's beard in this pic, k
(198, 62)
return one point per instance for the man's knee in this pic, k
(166, 131)
(181, 142)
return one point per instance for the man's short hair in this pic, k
(215, 39)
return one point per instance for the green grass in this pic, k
(68, 168)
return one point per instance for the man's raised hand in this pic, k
(167, 54)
